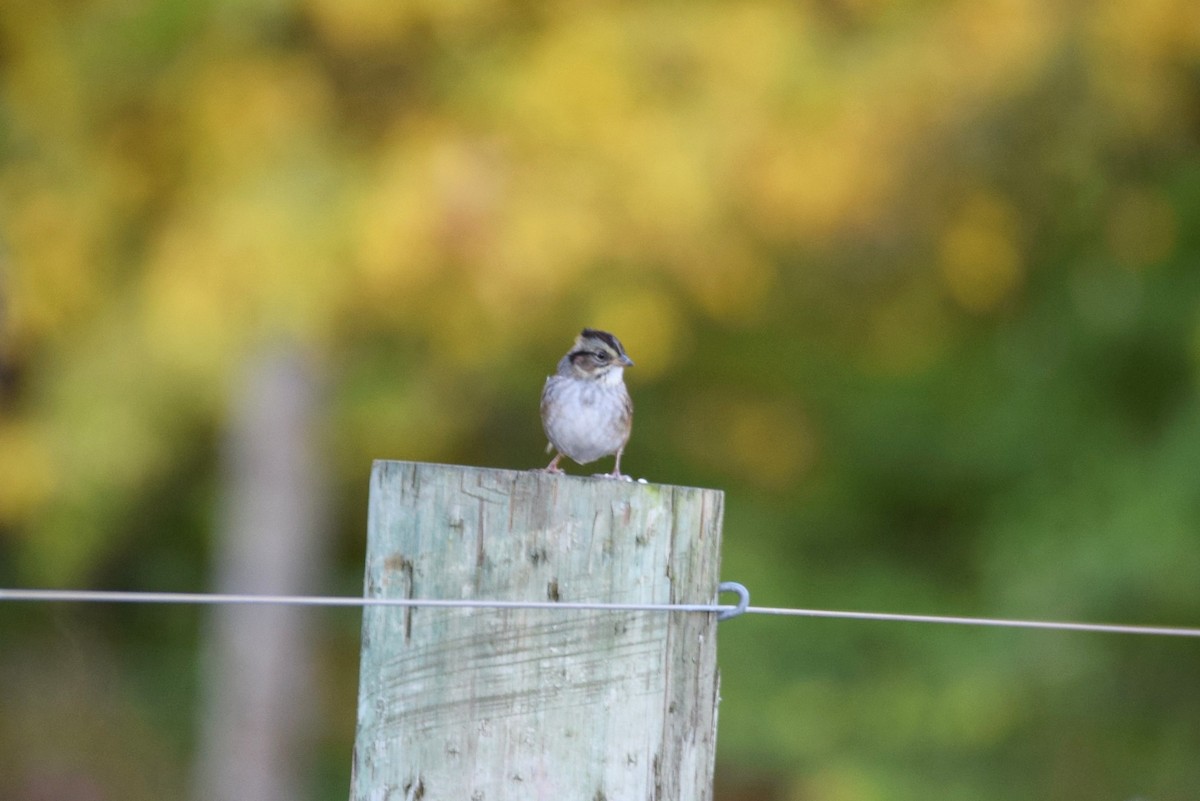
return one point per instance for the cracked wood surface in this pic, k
(499, 704)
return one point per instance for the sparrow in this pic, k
(586, 411)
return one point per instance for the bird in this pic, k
(586, 410)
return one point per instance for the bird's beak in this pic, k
(626, 361)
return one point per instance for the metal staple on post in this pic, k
(743, 599)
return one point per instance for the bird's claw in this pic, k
(613, 476)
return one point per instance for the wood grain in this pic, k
(491, 705)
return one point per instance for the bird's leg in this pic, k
(553, 466)
(616, 473)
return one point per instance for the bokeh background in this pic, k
(917, 283)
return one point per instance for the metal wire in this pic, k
(104, 596)
(1110, 628)
(723, 611)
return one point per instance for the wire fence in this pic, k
(723, 611)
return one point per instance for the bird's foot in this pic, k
(614, 476)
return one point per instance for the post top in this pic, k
(534, 474)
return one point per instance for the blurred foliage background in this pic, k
(915, 282)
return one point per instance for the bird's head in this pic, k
(598, 355)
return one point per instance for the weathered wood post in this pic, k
(506, 704)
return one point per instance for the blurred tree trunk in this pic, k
(257, 693)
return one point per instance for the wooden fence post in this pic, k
(508, 704)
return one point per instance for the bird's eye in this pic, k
(601, 356)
